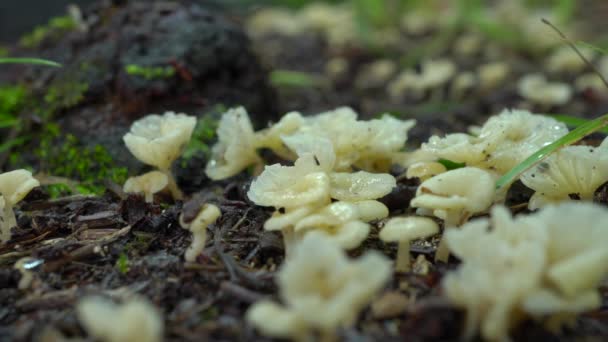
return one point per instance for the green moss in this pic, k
(54, 28)
(150, 72)
(63, 95)
(11, 101)
(68, 158)
(202, 137)
(122, 264)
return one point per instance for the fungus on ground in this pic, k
(135, 320)
(14, 186)
(321, 289)
(342, 222)
(375, 74)
(360, 185)
(403, 230)
(566, 60)
(590, 81)
(538, 90)
(434, 73)
(235, 148)
(574, 172)
(502, 142)
(463, 83)
(207, 215)
(491, 75)
(454, 196)
(535, 265)
(271, 136)
(159, 140)
(149, 184)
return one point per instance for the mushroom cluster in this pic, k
(367, 145)
(302, 196)
(545, 265)
(502, 142)
(321, 290)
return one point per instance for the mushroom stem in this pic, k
(403, 257)
(443, 252)
(8, 221)
(289, 239)
(198, 244)
(176, 193)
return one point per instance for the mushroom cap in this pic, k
(360, 185)
(290, 186)
(159, 140)
(324, 287)
(235, 149)
(135, 320)
(537, 89)
(578, 170)
(280, 221)
(274, 320)
(408, 228)
(424, 170)
(371, 210)
(148, 183)
(271, 136)
(467, 188)
(321, 148)
(15, 185)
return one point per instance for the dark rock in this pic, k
(128, 60)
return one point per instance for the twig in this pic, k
(235, 271)
(578, 52)
(244, 294)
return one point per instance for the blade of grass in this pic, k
(568, 139)
(35, 61)
(573, 121)
(291, 78)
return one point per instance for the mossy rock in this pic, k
(126, 60)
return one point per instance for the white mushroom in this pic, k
(565, 59)
(136, 320)
(14, 186)
(403, 230)
(491, 75)
(360, 185)
(538, 90)
(235, 149)
(159, 140)
(547, 265)
(574, 172)
(148, 184)
(207, 215)
(454, 196)
(424, 170)
(321, 290)
(434, 73)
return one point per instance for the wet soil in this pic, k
(117, 244)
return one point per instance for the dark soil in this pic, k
(117, 244)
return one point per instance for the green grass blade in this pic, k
(573, 121)
(289, 78)
(568, 139)
(34, 61)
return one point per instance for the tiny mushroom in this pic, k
(574, 172)
(159, 140)
(14, 186)
(322, 291)
(136, 320)
(207, 215)
(403, 230)
(454, 196)
(538, 90)
(148, 184)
